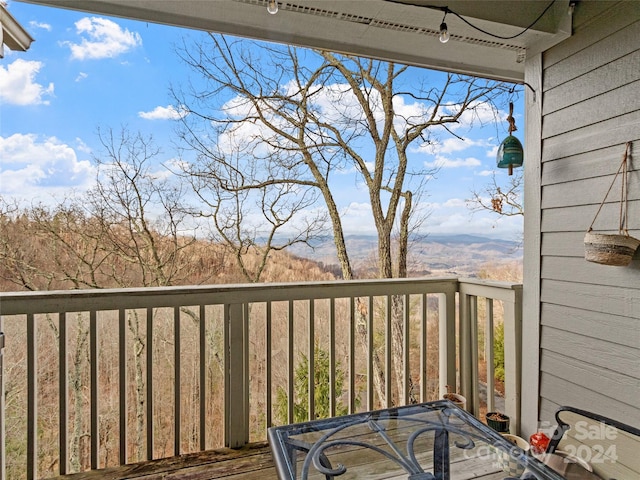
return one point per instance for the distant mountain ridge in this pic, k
(433, 254)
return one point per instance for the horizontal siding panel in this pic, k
(591, 191)
(618, 73)
(621, 129)
(579, 270)
(592, 22)
(587, 165)
(614, 46)
(620, 301)
(592, 377)
(594, 351)
(548, 410)
(578, 218)
(574, 394)
(611, 328)
(571, 244)
(625, 99)
(563, 244)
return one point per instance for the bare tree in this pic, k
(502, 199)
(298, 118)
(247, 216)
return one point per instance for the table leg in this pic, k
(441, 455)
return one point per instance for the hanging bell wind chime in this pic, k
(510, 153)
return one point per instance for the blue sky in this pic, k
(85, 72)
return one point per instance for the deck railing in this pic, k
(139, 374)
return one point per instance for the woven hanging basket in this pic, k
(613, 249)
(616, 250)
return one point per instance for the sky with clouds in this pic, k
(86, 72)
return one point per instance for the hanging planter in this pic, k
(613, 249)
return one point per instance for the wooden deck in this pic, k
(252, 463)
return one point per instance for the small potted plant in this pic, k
(498, 421)
(457, 399)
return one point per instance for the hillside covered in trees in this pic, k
(63, 249)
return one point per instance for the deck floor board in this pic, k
(255, 462)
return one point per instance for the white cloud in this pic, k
(81, 146)
(104, 39)
(164, 113)
(493, 151)
(33, 167)
(485, 173)
(358, 219)
(81, 76)
(43, 26)
(454, 217)
(454, 203)
(18, 85)
(444, 162)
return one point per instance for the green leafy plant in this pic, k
(322, 392)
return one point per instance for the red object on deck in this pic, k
(539, 443)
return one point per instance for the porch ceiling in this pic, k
(401, 30)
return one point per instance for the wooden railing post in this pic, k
(236, 394)
(447, 334)
(466, 357)
(513, 355)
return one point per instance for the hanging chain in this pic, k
(511, 120)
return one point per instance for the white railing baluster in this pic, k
(406, 380)
(243, 379)
(332, 357)
(63, 393)
(447, 339)
(269, 377)
(290, 362)
(465, 341)
(122, 384)
(473, 400)
(149, 385)
(388, 353)
(202, 382)
(311, 374)
(489, 356)
(93, 359)
(370, 348)
(424, 378)
(236, 427)
(512, 356)
(177, 379)
(353, 321)
(32, 397)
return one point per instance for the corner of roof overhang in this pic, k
(12, 34)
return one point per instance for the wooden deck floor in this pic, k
(250, 463)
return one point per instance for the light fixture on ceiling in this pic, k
(272, 7)
(444, 32)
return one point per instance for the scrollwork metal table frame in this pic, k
(305, 449)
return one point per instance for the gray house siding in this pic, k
(589, 329)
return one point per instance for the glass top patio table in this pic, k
(434, 440)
